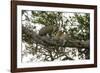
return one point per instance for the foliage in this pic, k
(49, 48)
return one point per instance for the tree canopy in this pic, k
(73, 43)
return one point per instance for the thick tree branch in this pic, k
(30, 35)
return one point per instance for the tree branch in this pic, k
(30, 35)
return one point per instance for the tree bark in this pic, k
(47, 41)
